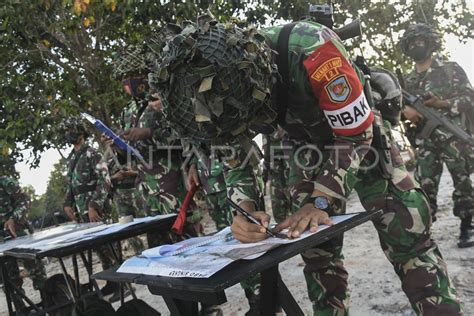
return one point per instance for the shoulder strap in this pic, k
(283, 68)
(141, 109)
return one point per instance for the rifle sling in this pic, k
(282, 86)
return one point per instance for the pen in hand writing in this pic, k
(249, 217)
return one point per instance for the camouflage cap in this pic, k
(214, 80)
(130, 61)
(420, 30)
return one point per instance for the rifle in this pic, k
(434, 120)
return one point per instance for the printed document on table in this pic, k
(201, 257)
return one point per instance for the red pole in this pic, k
(178, 225)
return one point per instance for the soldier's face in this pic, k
(418, 50)
(135, 86)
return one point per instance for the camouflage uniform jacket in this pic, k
(162, 136)
(88, 180)
(448, 81)
(129, 116)
(13, 201)
(327, 106)
(128, 119)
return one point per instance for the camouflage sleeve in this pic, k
(18, 198)
(103, 186)
(339, 173)
(69, 197)
(239, 160)
(462, 95)
(339, 91)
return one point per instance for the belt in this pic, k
(83, 189)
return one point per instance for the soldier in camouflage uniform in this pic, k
(130, 68)
(160, 181)
(277, 149)
(327, 111)
(447, 90)
(13, 208)
(209, 174)
(87, 192)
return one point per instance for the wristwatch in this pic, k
(322, 203)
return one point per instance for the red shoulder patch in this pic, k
(340, 93)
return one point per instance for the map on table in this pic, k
(67, 235)
(201, 257)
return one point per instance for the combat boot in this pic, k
(254, 303)
(465, 238)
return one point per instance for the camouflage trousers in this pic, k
(104, 253)
(164, 191)
(432, 154)
(279, 191)
(131, 202)
(34, 268)
(404, 234)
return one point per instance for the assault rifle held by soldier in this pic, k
(434, 120)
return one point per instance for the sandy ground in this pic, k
(375, 288)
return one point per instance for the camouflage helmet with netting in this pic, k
(73, 124)
(130, 61)
(423, 31)
(214, 81)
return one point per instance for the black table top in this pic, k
(159, 224)
(192, 288)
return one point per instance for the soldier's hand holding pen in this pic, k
(246, 231)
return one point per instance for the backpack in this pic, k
(92, 306)
(137, 307)
(56, 292)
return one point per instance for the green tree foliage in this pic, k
(56, 189)
(56, 55)
(36, 206)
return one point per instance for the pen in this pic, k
(249, 217)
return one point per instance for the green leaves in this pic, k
(56, 55)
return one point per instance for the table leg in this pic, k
(7, 288)
(76, 275)
(181, 308)
(287, 301)
(118, 258)
(69, 285)
(89, 260)
(268, 290)
(88, 265)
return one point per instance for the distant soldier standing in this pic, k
(88, 187)
(13, 208)
(446, 88)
